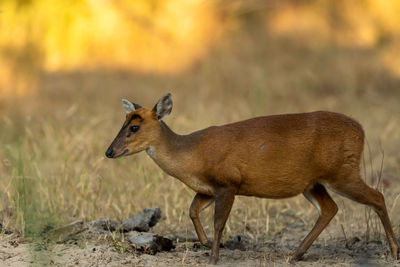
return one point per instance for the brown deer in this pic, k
(277, 156)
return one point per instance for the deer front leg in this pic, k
(199, 203)
(223, 203)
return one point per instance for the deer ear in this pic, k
(129, 106)
(163, 106)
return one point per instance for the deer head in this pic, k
(141, 127)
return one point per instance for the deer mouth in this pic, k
(126, 151)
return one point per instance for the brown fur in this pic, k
(271, 157)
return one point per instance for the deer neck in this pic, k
(174, 153)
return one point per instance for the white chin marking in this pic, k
(151, 152)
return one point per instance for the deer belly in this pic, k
(198, 185)
(273, 187)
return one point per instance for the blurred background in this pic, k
(66, 64)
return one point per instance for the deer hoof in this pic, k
(213, 260)
(295, 258)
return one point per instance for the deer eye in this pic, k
(134, 128)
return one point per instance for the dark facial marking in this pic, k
(133, 117)
(136, 116)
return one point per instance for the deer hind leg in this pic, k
(353, 187)
(327, 209)
(199, 203)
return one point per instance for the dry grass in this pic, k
(53, 168)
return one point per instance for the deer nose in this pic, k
(110, 152)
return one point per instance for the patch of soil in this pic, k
(105, 242)
(105, 250)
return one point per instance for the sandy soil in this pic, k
(89, 250)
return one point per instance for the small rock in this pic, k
(235, 242)
(104, 224)
(140, 239)
(142, 222)
(150, 243)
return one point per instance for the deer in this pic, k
(276, 157)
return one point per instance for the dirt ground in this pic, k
(89, 250)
